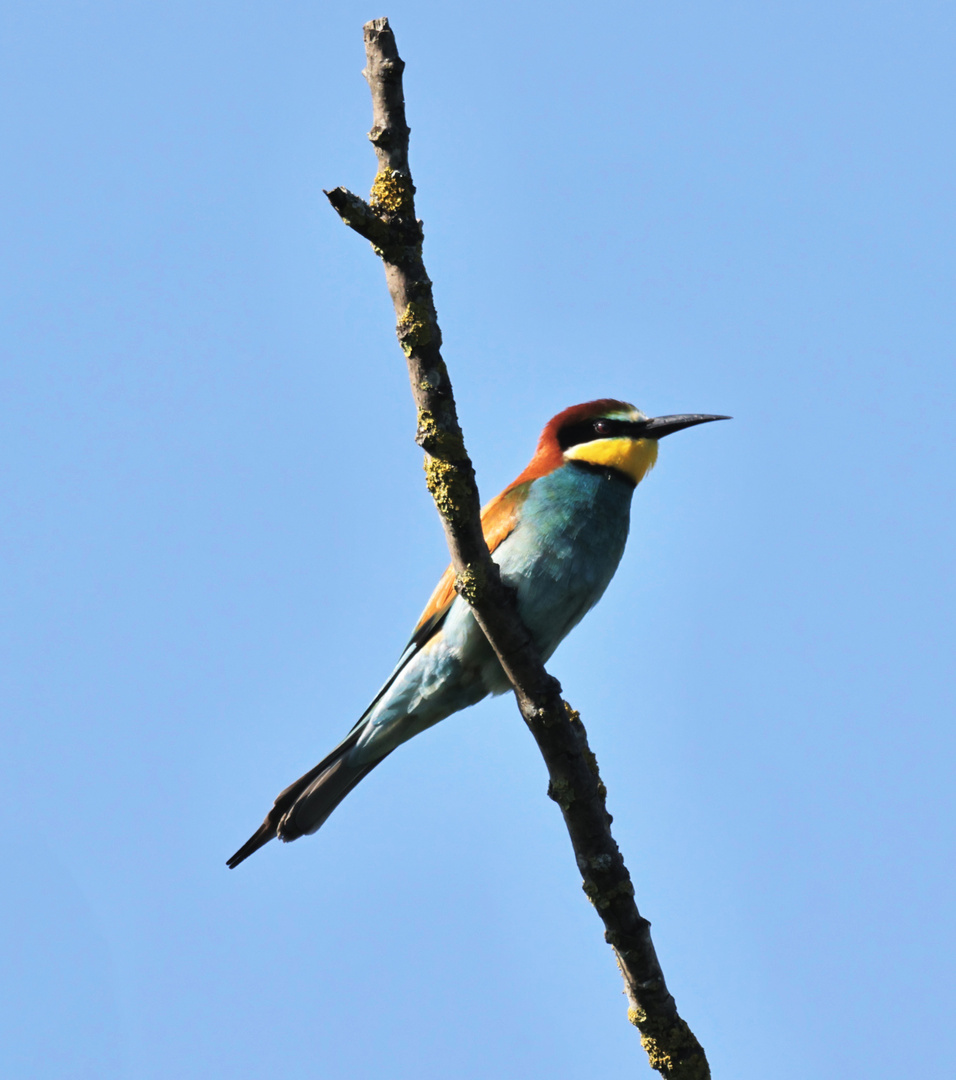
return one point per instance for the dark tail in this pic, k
(305, 805)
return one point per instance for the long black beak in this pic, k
(667, 425)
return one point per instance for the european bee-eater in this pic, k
(558, 533)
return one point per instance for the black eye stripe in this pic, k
(600, 427)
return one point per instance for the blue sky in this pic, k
(216, 535)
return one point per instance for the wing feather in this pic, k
(498, 520)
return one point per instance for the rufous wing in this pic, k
(498, 520)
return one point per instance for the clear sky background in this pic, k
(216, 536)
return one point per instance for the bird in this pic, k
(557, 534)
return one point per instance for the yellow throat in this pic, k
(633, 457)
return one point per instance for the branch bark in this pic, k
(388, 221)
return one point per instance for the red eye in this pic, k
(602, 427)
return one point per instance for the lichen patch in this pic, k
(392, 192)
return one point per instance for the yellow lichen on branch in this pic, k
(391, 191)
(671, 1049)
(449, 446)
(447, 486)
(470, 581)
(414, 327)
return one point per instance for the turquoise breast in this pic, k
(566, 548)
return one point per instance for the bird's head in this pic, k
(607, 434)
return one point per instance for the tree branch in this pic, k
(388, 221)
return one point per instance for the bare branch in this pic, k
(358, 215)
(388, 221)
